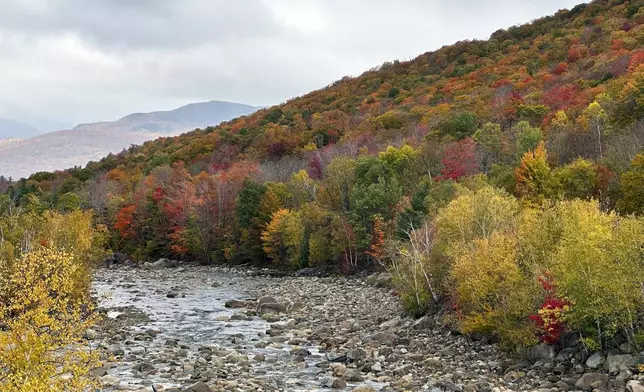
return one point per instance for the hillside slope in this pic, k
(557, 63)
(90, 142)
(571, 84)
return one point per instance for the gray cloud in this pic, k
(89, 60)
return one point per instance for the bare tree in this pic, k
(410, 262)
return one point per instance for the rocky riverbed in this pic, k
(200, 329)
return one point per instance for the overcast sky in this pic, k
(89, 60)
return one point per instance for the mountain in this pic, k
(556, 65)
(86, 142)
(16, 129)
(189, 117)
(551, 109)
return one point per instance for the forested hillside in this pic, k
(511, 166)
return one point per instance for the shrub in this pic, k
(493, 294)
(551, 316)
(598, 265)
(631, 182)
(411, 267)
(44, 320)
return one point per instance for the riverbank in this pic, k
(217, 329)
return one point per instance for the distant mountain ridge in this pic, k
(16, 129)
(92, 141)
(188, 117)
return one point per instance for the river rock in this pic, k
(634, 386)
(363, 389)
(143, 367)
(266, 300)
(90, 334)
(384, 280)
(352, 375)
(393, 323)
(110, 380)
(623, 377)
(596, 360)
(98, 372)
(591, 381)
(616, 363)
(271, 308)
(542, 352)
(627, 348)
(356, 354)
(301, 352)
(332, 382)
(425, 322)
(158, 265)
(388, 338)
(236, 303)
(199, 387)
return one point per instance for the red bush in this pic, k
(550, 318)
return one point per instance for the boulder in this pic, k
(627, 348)
(110, 380)
(388, 338)
(97, 372)
(356, 354)
(115, 258)
(617, 363)
(352, 375)
(542, 352)
(622, 378)
(199, 387)
(566, 355)
(300, 352)
(271, 308)
(332, 382)
(393, 323)
(235, 303)
(384, 279)
(425, 322)
(363, 389)
(590, 381)
(144, 367)
(158, 265)
(90, 334)
(596, 360)
(634, 386)
(266, 300)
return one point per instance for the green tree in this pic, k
(575, 180)
(459, 126)
(490, 139)
(632, 184)
(250, 220)
(528, 137)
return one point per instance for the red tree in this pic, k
(459, 159)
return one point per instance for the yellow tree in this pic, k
(43, 318)
(532, 174)
(272, 240)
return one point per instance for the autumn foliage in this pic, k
(458, 162)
